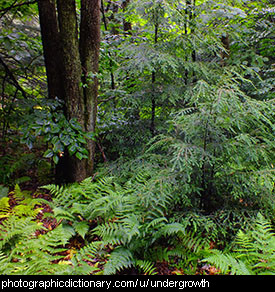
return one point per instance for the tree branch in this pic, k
(12, 77)
(14, 5)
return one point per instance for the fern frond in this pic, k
(33, 255)
(194, 241)
(228, 264)
(255, 252)
(119, 259)
(13, 229)
(80, 261)
(119, 232)
(4, 207)
(146, 266)
(172, 228)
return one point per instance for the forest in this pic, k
(137, 137)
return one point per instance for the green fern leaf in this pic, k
(146, 266)
(119, 259)
(228, 264)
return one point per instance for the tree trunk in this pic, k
(54, 67)
(70, 62)
(89, 52)
(225, 53)
(74, 98)
(51, 47)
(127, 26)
(153, 106)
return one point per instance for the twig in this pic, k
(102, 152)
(10, 74)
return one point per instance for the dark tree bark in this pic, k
(127, 26)
(225, 53)
(113, 85)
(51, 47)
(74, 99)
(70, 62)
(71, 59)
(89, 53)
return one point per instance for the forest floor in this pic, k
(76, 242)
(23, 164)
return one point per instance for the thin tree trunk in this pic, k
(127, 26)
(53, 64)
(71, 61)
(153, 106)
(113, 84)
(225, 53)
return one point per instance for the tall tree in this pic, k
(89, 54)
(78, 58)
(51, 47)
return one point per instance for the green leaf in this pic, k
(55, 139)
(55, 159)
(75, 125)
(48, 153)
(90, 135)
(79, 155)
(65, 139)
(81, 139)
(55, 129)
(72, 149)
(58, 147)
(81, 228)
(29, 143)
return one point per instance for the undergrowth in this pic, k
(124, 223)
(26, 250)
(253, 253)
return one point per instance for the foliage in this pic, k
(131, 215)
(253, 253)
(25, 250)
(49, 122)
(25, 205)
(185, 129)
(222, 146)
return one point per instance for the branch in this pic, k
(10, 74)
(14, 5)
(107, 99)
(102, 152)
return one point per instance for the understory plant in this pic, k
(28, 248)
(253, 252)
(132, 218)
(221, 146)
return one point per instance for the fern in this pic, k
(4, 207)
(119, 232)
(254, 254)
(131, 217)
(25, 205)
(119, 259)
(33, 255)
(80, 261)
(228, 263)
(146, 266)
(23, 252)
(257, 247)
(14, 229)
(172, 228)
